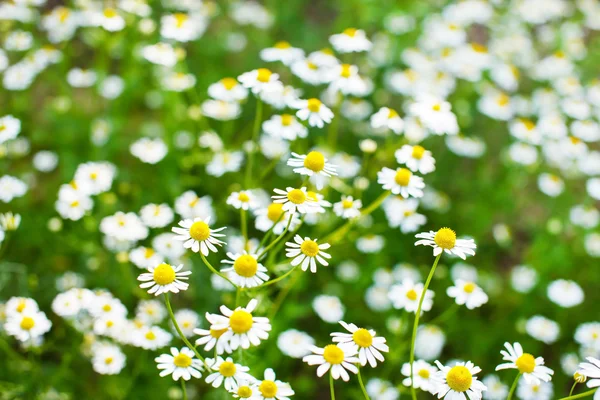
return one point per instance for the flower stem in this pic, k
(331, 386)
(277, 239)
(244, 226)
(279, 278)
(581, 395)
(214, 271)
(416, 325)
(257, 120)
(362, 386)
(513, 387)
(181, 335)
(573, 388)
(183, 389)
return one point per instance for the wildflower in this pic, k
(156, 215)
(338, 358)
(542, 329)
(282, 51)
(151, 337)
(182, 27)
(124, 227)
(496, 390)
(445, 240)
(307, 252)
(27, 325)
(221, 110)
(246, 390)
(295, 200)
(328, 308)
(565, 293)
(350, 40)
(436, 115)
(533, 391)
(9, 128)
(285, 126)
(532, 368)
(458, 382)
(260, 81)
(273, 217)
(149, 150)
(591, 370)
(228, 90)
(177, 81)
(11, 187)
(179, 364)
(187, 320)
(467, 293)
(588, 335)
(244, 199)
(345, 79)
(424, 374)
(314, 165)
(242, 327)
(107, 359)
(407, 295)
(388, 119)
(416, 158)
(223, 162)
(347, 208)
(294, 343)
(313, 110)
(401, 181)
(271, 388)
(212, 338)
(227, 372)
(164, 278)
(198, 236)
(550, 184)
(369, 345)
(246, 271)
(401, 212)
(110, 20)
(150, 311)
(160, 53)
(81, 78)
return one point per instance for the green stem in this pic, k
(362, 386)
(581, 395)
(513, 387)
(181, 335)
(272, 281)
(282, 295)
(214, 271)
(278, 238)
(255, 131)
(573, 388)
(183, 389)
(416, 325)
(244, 225)
(331, 386)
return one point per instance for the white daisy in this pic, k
(226, 371)
(339, 358)
(260, 81)
(458, 382)
(436, 115)
(591, 369)
(386, 118)
(467, 293)
(416, 158)
(307, 252)
(179, 364)
(314, 165)
(348, 208)
(423, 373)
(350, 40)
(246, 271)
(243, 329)
(244, 199)
(282, 51)
(295, 200)
(369, 345)
(445, 240)
(401, 181)
(313, 110)
(212, 338)
(270, 388)
(273, 217)
(227, 89)
(27, 326)
(532, 368)
(407, 294)
(285, 126)
(198, 236)
(164, 278)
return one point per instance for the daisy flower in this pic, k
(532, 368)
(244, 199)
(407, 295)
(198, 236)
(445, 240)
(227, 89)
(285, 126)
(226, 371)
(423, 373)
(458, 382)
(348, 208)
(260, 80)
(246, 390)
(591, 370)
(211, 338)
(164, 278)
(313, 110)
(467, 293)
(246, 271)
(107, 358)
(350, 40)
(315, 165)
(401, 181)
(295, 200)
(368, 345)
(179, 364)
(271, 388)
(416, 158)
(388, 119)
(282, 51)
(436, 115)
(338, 358)
(306, 251)
(345, 79)
(274, 217)
(27, 326)
(242, 327)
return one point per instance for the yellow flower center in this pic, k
(525, 363)
(282, 45)
(412, 294)
(180, 19)
(479, 48)
(243, 197)
(445, 238)
(108, 360)
(333, 354)
(423, 373)
(312, 66)
(392, 114)
(27, 323)
(228, 83)
(437, 107)
(346, 73)
(459, 379)
(502, 100)
(21, 306)
(245, 266)
(63, 14)
(529, 125)
(314, 105)
(199, 231)
(110, 13)
(314, 161)
(350, 32)
(417, 152)
(244, 392)
(240, 321)
(362, 337)
(402, 176)
(268, 389)
(347, 204)
(227, 369)
(217, 333)
(296, 196)
(264, 75)
(274, 211)
(574, 140)
(182, 360)
(469, 287)
(287, 119)
(164, 274)
(148, 252)
(309, 248)
(150, 335)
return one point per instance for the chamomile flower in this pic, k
(294, 343)
(198, 236)
(282, 51)
(27, 326)
(388, 119)
(246, 390)
(260, 81)
(182, 27)
(244, 199)
(313, 110)
(212, 338)
(416, 158)
(164, 278)
(445, 240)
(532, 368)
(347, 207)
(285, 126)
(271, 388)
(407, 295)
(107, 359)
(565, 293)
(345, 79)
(246, 271)
(591, 370)
(156, 215)
(423, 373)
(9, 128)
(458, 382)
(314, 165)
(227, 89)
(160, 53)
(145, 257)
(149, 150)
(151, 337)
(179, 364)
(274, 217)
(228, 373)
(307, 252)
(467, 293)
(369, 345)
(436, 115)
(295, 200)
(350, 40)
(339, 358)
(243, 329)
(401, 181)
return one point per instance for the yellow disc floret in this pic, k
(287, 119)
(274, 211)
(229, 83)
(263, 75)
(469, 287)
(268, 389)
(412, 295)
(525, 363)
(445, 238)
(333, 354)
(199, 231)
(362, 337)
(309, 248)
(244, 392)
(417, 152)
(245, 266)
(402, 177)
(227, 369)
(27, 323)
(314, 105)
(314, 161)
(240, 321)
(459, 379)
(182, 360)
(296, 196)
(423, 373)
(164, 274)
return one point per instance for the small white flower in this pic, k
(246, 271)
(198, 236)
(348, 208)
(369, 345)
(350, 40)
(467, 293)
(295, 200)
(532, 368)
(179, 364)
(445, 240)
(164, 278)
(339, 358)
(407, 295)
(307, 252)
(388, 119)
(270, 388)
(458, 382)
(313, 110)
(423, 373)
(401, 181)
(416, 158)
(232, 374)
(314, 165)
(260, 81)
